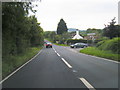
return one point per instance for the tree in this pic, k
(62, 27)
(18, 29)
(111, 30)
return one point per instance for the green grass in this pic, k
(111, 44)
(101, 53)
(13, 62)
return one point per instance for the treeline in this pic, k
(19, 31)
(111, 30)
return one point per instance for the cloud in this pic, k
(81, 14)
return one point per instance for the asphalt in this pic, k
(101, 73)
(48, 70)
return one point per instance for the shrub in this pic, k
(72, 41)
(111, 45)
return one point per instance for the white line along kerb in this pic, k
(66, 63)
(58, 54)
(20, 68)
(87, 84)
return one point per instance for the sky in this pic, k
(79, 14)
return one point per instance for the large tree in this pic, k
(19, 31)
(112, 30)
(62, 27)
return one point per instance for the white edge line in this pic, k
(66, 63)
(101, 58)
(19, 68)
(95, 56)
(87, 84)
(58, 54)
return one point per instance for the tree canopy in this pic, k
(62, 27)
(112, 30)
(19, 31)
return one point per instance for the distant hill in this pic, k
(74, 29)
(71, 29)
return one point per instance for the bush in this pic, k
(72, 41)
(13, 62)
(111, 45)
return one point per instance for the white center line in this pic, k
(58, 54)
(66, 63)
(87, 84)
(53, 49)
(55, 52)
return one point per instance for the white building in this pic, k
(77, 36)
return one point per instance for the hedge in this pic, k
(72, 41)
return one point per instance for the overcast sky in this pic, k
(80, 14)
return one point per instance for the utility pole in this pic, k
(119, 13)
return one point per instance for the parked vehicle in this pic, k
(79, 45)
(48, 45)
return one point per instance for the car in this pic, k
(48, 45)
(79, 45)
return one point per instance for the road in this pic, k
(62, 67)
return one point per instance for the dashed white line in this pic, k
(55, 52)
(87, 84)
(63, 59)
(66, 63)
(58, 54)
(20, 68)
(53, 49)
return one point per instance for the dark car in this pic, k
(48, 45)
(79, 45)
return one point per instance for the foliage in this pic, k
(19, 32)
(110, 45)
(72, 41)
(101, 53)
(52, 36)
(15, 61)
(93, 30)
(112, 30)
(62, 27)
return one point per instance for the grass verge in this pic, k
(101, 53)
(13, 62)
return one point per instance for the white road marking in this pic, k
(105, 59)
(94, 56)
(74, 71)
(54, 49)
(55, 52)
(66, 63)
(19, 68)
(87, 84)
(58, 54)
